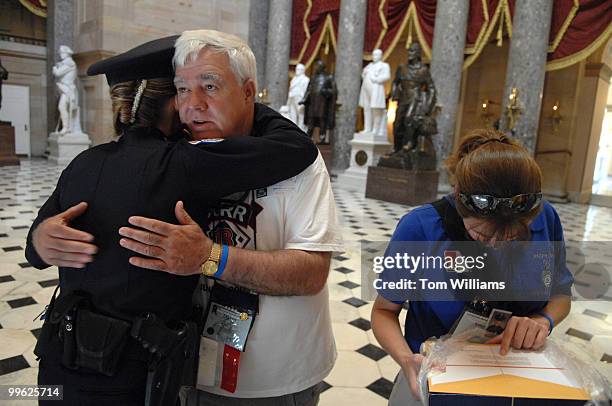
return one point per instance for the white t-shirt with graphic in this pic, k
(291, 346)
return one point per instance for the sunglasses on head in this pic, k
(487, 204)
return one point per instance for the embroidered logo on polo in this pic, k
(234, 222)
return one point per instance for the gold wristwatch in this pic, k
(211, 265)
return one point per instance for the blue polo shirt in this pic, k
(435, 318)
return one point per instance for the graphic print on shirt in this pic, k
(234, 221)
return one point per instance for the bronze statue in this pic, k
(414, 91)
(3, 76)
(320, 103)
(415, 122)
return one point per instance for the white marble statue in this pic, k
(297, 89)
(372, 95)
(65, 72)
(68, 140)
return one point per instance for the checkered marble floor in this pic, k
(363, 374)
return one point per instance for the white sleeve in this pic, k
(311, 222)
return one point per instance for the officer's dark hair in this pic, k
(492, 163)
(149, 112)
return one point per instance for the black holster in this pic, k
(171, 349)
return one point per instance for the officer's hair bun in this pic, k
(148, 114)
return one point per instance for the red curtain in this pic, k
(395, 13)
(591, 23)
(308, 25)
(426, 14)
(577, 25)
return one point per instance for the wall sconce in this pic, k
(513, 109)
(262, 97)
(556, 118)
(485, 113)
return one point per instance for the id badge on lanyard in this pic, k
(480, 317)
(230, 317)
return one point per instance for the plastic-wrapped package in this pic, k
(436, 352)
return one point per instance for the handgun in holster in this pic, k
(170, 348)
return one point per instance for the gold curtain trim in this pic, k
(33, 9)
(305, 26)
(564, 27)
(580, 55)
(383, 32)
(411, 16)
(328, 27)
(508, 17)
(485, 39)
(420, 35)
(395, 40)
(483, 29)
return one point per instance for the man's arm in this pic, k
(281, 272)
(182, 249)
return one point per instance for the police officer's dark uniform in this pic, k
(96, 330)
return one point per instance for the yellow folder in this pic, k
(510, 386)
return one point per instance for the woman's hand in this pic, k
(411, 367)
(527, 333)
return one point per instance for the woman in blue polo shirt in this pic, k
(497, 197)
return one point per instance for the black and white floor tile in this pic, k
(363, 374)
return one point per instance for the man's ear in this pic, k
(176, 107)
(249, 90)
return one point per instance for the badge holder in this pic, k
(231, 313)
(479, 315)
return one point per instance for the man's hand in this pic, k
(411, 368)
(59, 244)
(528, 333)
(177, 249)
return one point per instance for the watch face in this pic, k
(209, 268)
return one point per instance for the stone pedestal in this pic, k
(401, 186)
(366, 149)
(64, 147)
(7, 144)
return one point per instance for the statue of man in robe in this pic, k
(65, 72)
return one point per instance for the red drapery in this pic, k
(38, 7)
(578, 27)
(583, 33)
(314, 24)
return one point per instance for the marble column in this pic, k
(258, 37)
(349, 63)
(526, 65)
(446, 66)
(60, 31)
(277, 52)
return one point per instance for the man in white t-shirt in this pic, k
(275, 241)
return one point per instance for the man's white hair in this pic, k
(240, 56)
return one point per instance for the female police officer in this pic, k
(496, 198)
(111, 322)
